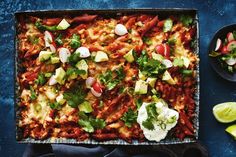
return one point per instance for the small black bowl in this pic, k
(221, 33)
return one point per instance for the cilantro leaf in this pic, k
(70, 71)
(148, 124)
(74, 58)
(90, 124)
(40, 80)
(75, 41)
(59, 40)
(55, 105)
(33, 95)
(130, 117)
(139, 103)
(186, 20)
(147, 40)
(75, 96)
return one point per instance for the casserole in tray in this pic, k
(126, 76)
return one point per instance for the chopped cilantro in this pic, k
(152, 114)
(75, 41)
(187, 72)
(171, 41)
(33, 95)
(75, 96)
(186, 20)
(147, 40)
(74, 58)
(234, 34)
(41, 80)
(110, 80)
(59, 40)
(130, 117)
(89, 123)
(139, 103)
(71, 71)
(55, 105)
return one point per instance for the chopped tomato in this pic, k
(97, 87)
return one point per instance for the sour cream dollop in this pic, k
(166, 119)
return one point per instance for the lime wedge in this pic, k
(232, 130)
(225, 112)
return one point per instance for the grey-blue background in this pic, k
(212, 14)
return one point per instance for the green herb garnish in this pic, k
(42, 27)
(186, 20)
(33, 95)
(75, 41)
(130, 117)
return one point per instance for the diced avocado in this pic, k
(167, 77)
(50, 93)
(157, 56)
(55, 60)
(85, 107)
(151, 81)
(82, 65)
(141, 87)
(129, 56)
(44, 55)
(155, 98)
(186, 61)
(60, 75)
(63, 25)
(101, 57)
(141, 76)
(60, 99)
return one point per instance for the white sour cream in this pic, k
(165, 116)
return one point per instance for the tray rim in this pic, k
(117, 141)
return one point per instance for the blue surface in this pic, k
(212, 14)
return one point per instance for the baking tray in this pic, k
(161, 12)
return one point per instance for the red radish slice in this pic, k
(218, 44)
(160, 49)
(48, 38)
(95, 93)
(230, 37)
(83, 51)
(97, 87)
(52, 48)
(52, 80)
(231, 45)
(90, 81)
(64, 54)
(120, 29)
(231, 61)
(224, 50)
(167, 50)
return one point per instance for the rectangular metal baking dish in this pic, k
(165, 12)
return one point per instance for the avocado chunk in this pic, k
(82, 65)
(63, 25)
(55, 60)
(141, 87)
(157, 57)
(101, 57)
(129, 56)
(141, 76)
(167, 77)
(151, 81)
(44, 55)
(85, 107)
(60, 75)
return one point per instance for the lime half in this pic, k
(225, 112)
(232, 130)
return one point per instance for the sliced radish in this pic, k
(120, 29)
(167, 50)
(52, 80)
(83, 51)
(231, 61)
(230, 37)
(48, 38)
(224, 50)
(167, 63)
(95, 93)
(160, 49)
(97, 87)
(231, 45)
(90, 81)
(218, 44)
(64, 54)
(52, 48)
